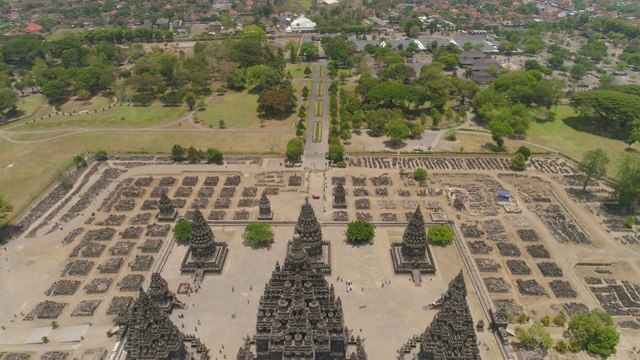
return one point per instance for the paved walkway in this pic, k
(315, 152)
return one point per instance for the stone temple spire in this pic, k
(265, 212)
(414, 239)
(297, 258)
(167, 211)
(201, 239)
(308, 228)
(150, 333)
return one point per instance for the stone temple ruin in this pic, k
(167, 211)
(413, 255)
(151, 335)
(451, 334)
(339, 197)
(310, 233)
(264, 208)
(204, 254)
(160, 294)
(299, 316)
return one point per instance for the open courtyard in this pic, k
(547, 249)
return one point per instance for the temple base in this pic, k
(266, 216)
(213, 264)
(322, 262)
(339, 205)
(168, 217)
(404, 265)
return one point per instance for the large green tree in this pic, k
(594, 332)
(276, 103)
(626, 190)
(295, 148)
(397, 130)
(258, 234)
(534, 337)
(593, 166)
(360, 231)
(182, 230)
(8, 100)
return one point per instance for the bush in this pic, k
(534, 337)
(525, 152)
(360, 231)
(560, 320)
(258, 234)
(214, 156)
(518, 163)
(54, 325)
(79, 161)
(420, 174)
(182, 230)
(630, 222)
(545, 321)
(561, 347)
(100, 155)
(440, 234)
(451, 135)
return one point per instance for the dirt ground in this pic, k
(570, 234)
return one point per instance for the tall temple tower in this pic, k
(308, 228)
(204, 254)
(299, 316)
(201, 238)
(414, 239)
(150, 333)
(413, 255)
(451, 334)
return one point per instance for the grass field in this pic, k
(320, 71)
(29, 104)
(318, 110)
(59, 34)
(26, 169)
(296, 70)
(569, 141)
(317, 131)
(116, 117)
(197, 29)
(319, 89)
(96, 103)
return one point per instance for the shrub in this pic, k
(420, 174)
(451, 135)
(360, 231)
(559, 320)
(546, 320)
(182, 230)
(518, 163)
(440, 234)
(100, 155)
(524, 151)
(561, 347)
(214, 156)
(54, 325)
(79, 161)
(258, 234)
(629, 222)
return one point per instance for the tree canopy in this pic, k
(594, 332)
(295, 148)
(626, 190)
(258, 234)
(440, 234)
(593, 166)
(360, 231)
(182, 230)
(534, 337)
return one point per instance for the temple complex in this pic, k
(310, 234)
(204, 254)
(299, 316)
(265, 212)
(413, 255)
(160, 294)
(451, 334)
(339, 197)
(167, 211)
(150, 335)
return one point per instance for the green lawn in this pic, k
(29, 104)
(318, 110)
(59, 34)
(317, 131)
(96, 103)
(574, 143)
(319, 89)
(296, 70)
(118, 117)
(305, 3)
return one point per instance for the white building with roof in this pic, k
(301, 24)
